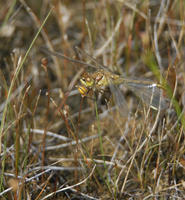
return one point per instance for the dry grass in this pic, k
(56, 144)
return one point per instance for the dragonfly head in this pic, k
(87, 80)
(87, 83)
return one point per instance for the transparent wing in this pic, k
(121, 104)
(150, 93)
(62, 56)
(100, 66)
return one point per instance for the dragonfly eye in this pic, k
(83, 81)
(87, 82)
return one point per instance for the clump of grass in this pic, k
(56, 144)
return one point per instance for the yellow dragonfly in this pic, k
(149, 92)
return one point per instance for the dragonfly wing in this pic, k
(119, 99)
(149, 93)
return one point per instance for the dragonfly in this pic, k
(149, 92)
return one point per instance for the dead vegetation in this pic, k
(57, 145)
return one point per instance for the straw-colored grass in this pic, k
(54, 144)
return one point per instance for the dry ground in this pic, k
(56, 144)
